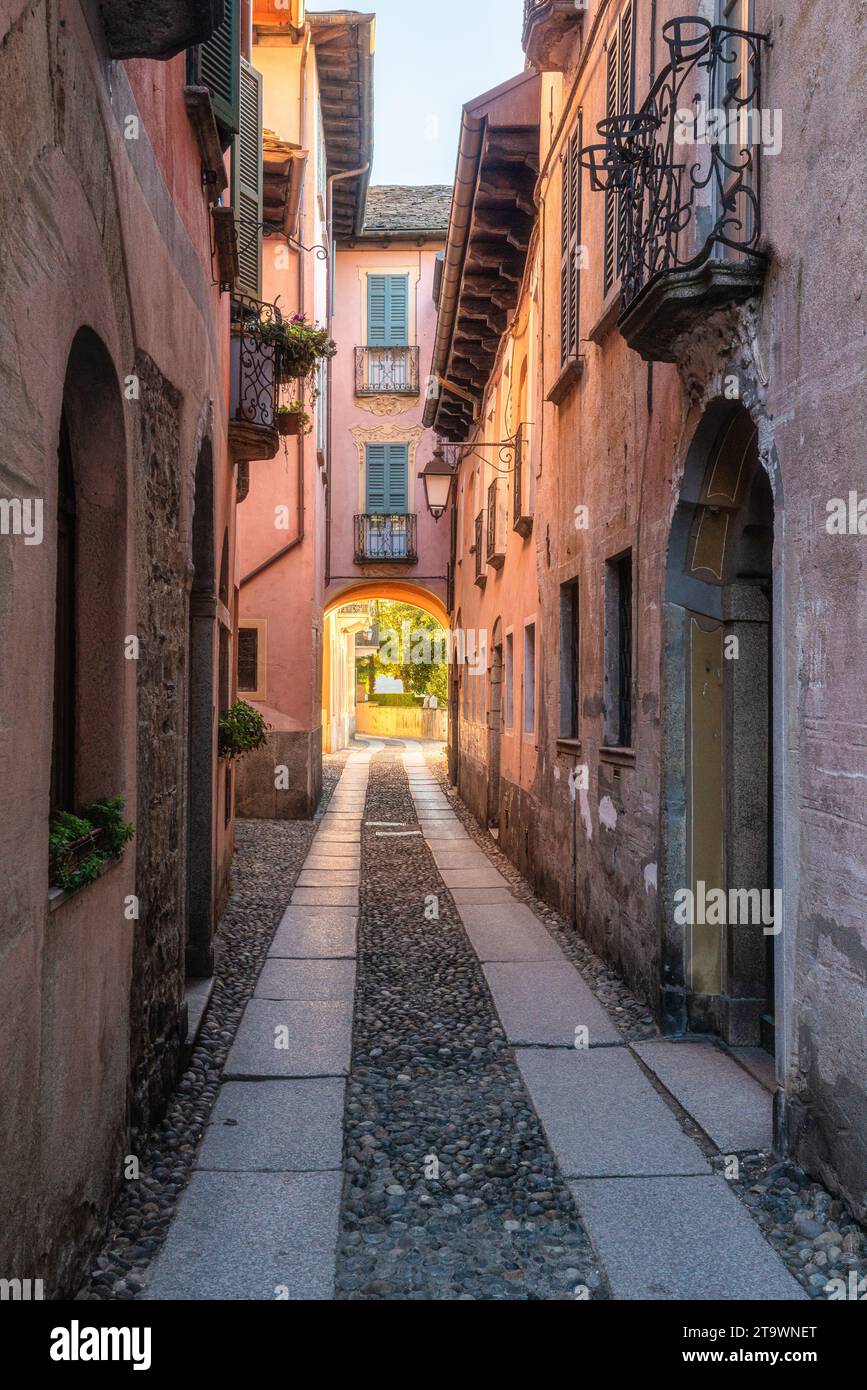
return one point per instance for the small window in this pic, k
(251, 659)
(530, 678)
(248, 659)
(570, 661)
(509, 677)
(618, 652)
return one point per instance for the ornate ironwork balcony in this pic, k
(549, 29)
(386, 371)
(481, 577)
(684, 171)
(383, 539)
(496, 548)
(255, 379)
(134, 30)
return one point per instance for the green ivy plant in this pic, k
(241, 730)
(80, 845)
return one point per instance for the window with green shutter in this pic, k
(387, 310)
(619, 99)
(247, 182)
(387, 479)
(216, 65)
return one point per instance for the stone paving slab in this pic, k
(275, 1126)
(471, 897)
(508, 932)
(318, 1040)
(602, 1116)
(282, 978)
(325, 897)
(442, 830)
(329, 878)
(310, 933)
(733, 1109)
(328, 855)
(244, 1236)
(472, 877)
(458, 858)
(543, 1002)
(337, 837)
(679, 1239)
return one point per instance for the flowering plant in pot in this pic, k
(293, 419)
(302, 346)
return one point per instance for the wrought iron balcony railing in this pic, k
(496, 548)
(381, 539)
(255, 378)
(386, 371)
(686, 160)
(478, 548)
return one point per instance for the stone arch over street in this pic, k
(346, 620)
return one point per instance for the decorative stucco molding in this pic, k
(389, 434)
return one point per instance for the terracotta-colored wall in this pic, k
(375, 418)
(288, 595)
(100, 232)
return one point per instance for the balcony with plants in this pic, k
(274, 364)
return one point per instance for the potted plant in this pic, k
(302, 346)
(293, 419)
(241, 730)
(81, 845)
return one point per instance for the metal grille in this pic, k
(386, 371)
(380, 538)
(255, 361)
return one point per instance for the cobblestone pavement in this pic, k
(435, 1089)
(484, 1156)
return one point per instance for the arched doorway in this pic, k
(718, 903)
(495, 724)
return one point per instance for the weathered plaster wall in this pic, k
(90, 235)
(618, 444)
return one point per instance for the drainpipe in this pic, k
(332, 270)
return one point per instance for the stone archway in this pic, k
(717, 975)
(337, 676)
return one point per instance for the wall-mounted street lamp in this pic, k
(438, 477)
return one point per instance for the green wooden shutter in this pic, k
(387, 310)
(247, 182)
(397, 469)
(218, 63)
(375, 462)
(387, 479)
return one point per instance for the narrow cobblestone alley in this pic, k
(404, 1112)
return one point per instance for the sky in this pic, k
(431, 57)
